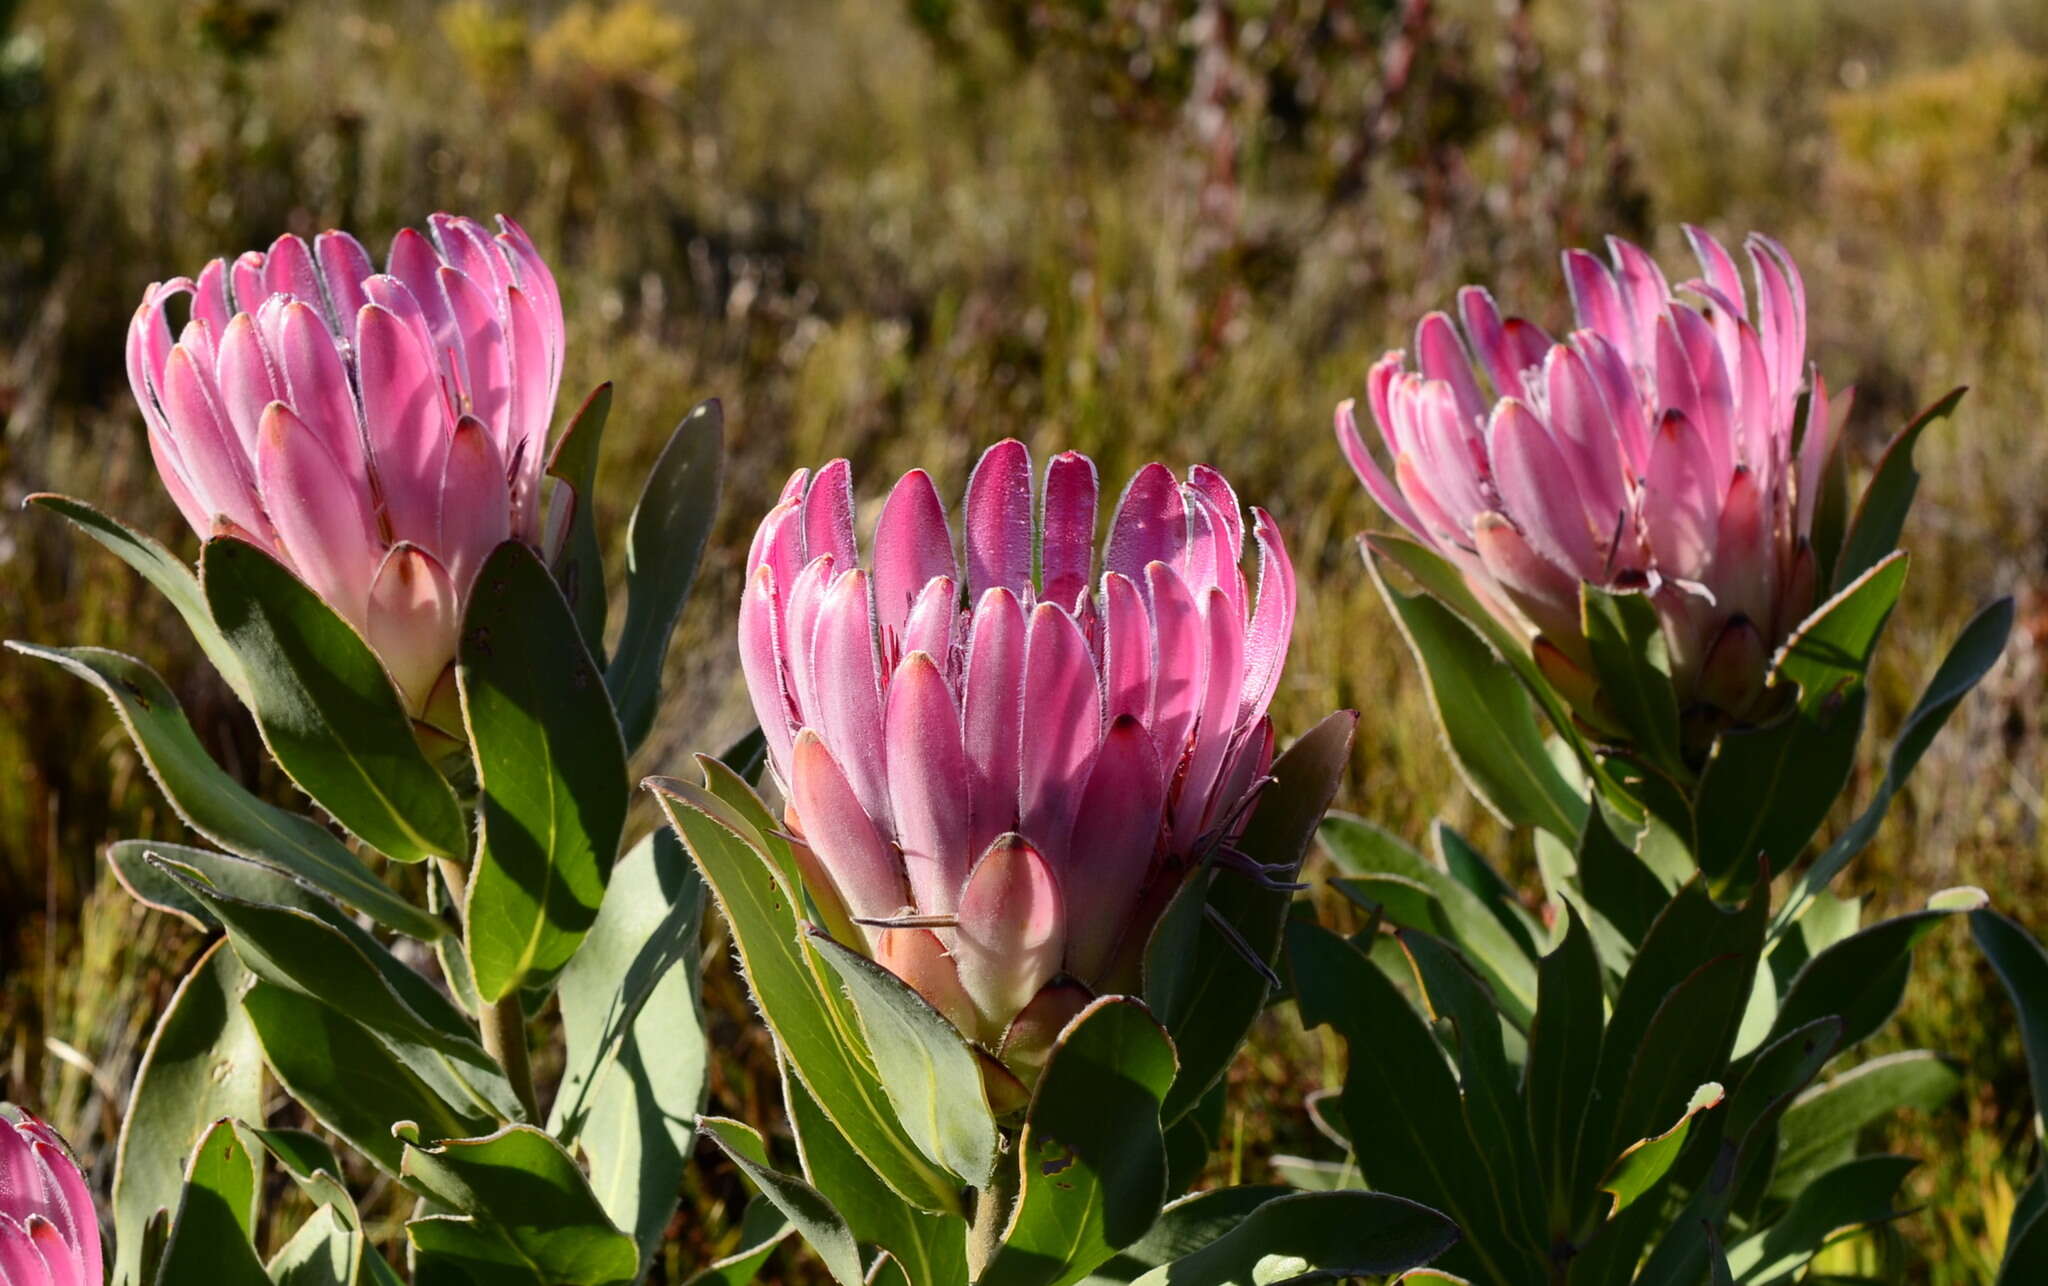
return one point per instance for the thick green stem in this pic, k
(454, 878)
(504, 1021)
(504, 1024)
(992, 1207)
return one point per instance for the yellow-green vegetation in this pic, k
(901, 229)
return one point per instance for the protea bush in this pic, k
(377, 432)
(1001, 766)
(1673, 445)
(1025, 893)
(426, 656)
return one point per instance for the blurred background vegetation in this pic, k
(901, 229)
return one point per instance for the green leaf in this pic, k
(803, 1205)
(1832, 649)
(202, 1064)
(1771, 1085)
(326, 708)
(1209, 997)
(1428, 1149)
(1502, 902)
(319, 953)
(1564, 1058)
(213, 1234)
(1446, 584)
(1765, 792)
(1633, 668)
(647, 925)
(576, 555)
(1558, 867)
(551, 771)
(1821, 1128)
(925, 1065)
(665, 540)
(747, 755)
(161, 568)
(1092, 1153)
(1489, 1083)
(1644, 1163)
(1359, 847)
(762, 1229)
(930, 1250)
(1673, 1024)
(735, 859)
(349, 1080)
(2022, 966)
(1483, 711)
(1881, 513)
(1184, 1227)
(1861, 1192)
(1327, 1234)
(158, 875)
(1617, 883)
(323, 1252)
(2026, 1242)
(215, 805)
(518, 1200)
(634, 1029)
(313, 1166)
(1975, 651)
(1863, 977)
(153, 887)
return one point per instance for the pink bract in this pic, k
(1012, 752)
(1660, 447)
(377, 432)
(49, 1233)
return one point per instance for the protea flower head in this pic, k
(378, 432)
(1001, 769)
(1658, 448)
(49, 1235)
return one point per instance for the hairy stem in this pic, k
(504, 1024)
(504, 1021)
(454, 878)
(992, 1207)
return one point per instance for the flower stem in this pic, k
(504, 1023)
(992, 1207)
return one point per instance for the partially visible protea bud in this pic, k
(379, 433)
(1003, 772)
(49, 1234)
(1658, 448)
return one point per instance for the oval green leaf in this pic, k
(1092, 1152)
(203, 1063)
(665, 540)
(327, 709)
(550, 768)
(803, 1205)
(931, 1076)
(784, 976)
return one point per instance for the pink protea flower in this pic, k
(1657, 448)
(378, 432)
(49, 1234)
(1001, 772)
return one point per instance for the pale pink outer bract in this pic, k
(1658, 447)
(379, 433)
(1025, 749)
(49, 1233)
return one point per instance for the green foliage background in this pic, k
(901, 229)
